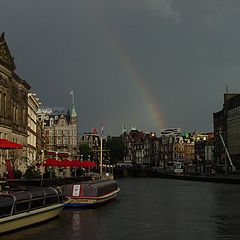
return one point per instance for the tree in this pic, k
(32, 173)
(117, 149)
(85, 151)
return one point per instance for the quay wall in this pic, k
(138, 172)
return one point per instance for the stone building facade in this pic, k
(60, 130)
(13, 102)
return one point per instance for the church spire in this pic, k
(73, 113)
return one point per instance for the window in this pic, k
(21, 206)
(5, 104)
(51, 122)
(65, 141)
(59, 141)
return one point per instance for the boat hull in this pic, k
(79, 202)
(29, 218)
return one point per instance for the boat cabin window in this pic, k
(22, 206)
(88, 190)
(5, 211)
(24, 201)
(104, 188)
(37, 203)
(51, 200)
(6, 204)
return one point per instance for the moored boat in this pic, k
(30, 206)
(90, 193)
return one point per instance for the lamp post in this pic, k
(42, 159)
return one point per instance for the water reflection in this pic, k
(226, 211)
(151, 209)
(31, 232)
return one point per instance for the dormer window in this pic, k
(51, 122)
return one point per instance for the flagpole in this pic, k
(101, 151)
(101, 156)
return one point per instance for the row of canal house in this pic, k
(146, 149)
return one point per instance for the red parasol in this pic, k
(67, 163)
(6, 144)
(50, 162)
(88, 164)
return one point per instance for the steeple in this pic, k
(124, 129)
(133, 128)
(73, 112)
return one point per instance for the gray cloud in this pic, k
(165, 8)
(184, 53)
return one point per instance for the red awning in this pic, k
(6, 144)
(78, 163)
(88, 164)
(59, 154)
(50, 162)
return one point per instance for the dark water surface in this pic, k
(150, 209)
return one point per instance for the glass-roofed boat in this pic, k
(90, 193)
(30, 206)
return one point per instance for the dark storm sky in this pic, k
(154, 63)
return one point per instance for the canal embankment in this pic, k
(153, 173)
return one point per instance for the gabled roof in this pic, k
(6, 58)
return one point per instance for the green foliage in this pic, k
(17, 174)
(79, 172)
(49, 173)
(117, 149)
(86, 150)
(32, 173)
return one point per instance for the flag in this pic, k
(102, 130)
(71, 93)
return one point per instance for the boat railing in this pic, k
(25, 201)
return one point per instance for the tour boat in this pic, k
(90, 193)
(30, 206)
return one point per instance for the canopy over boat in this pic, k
(90, 188)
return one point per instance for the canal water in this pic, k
(150, 209)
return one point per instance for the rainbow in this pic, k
(150, 103)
